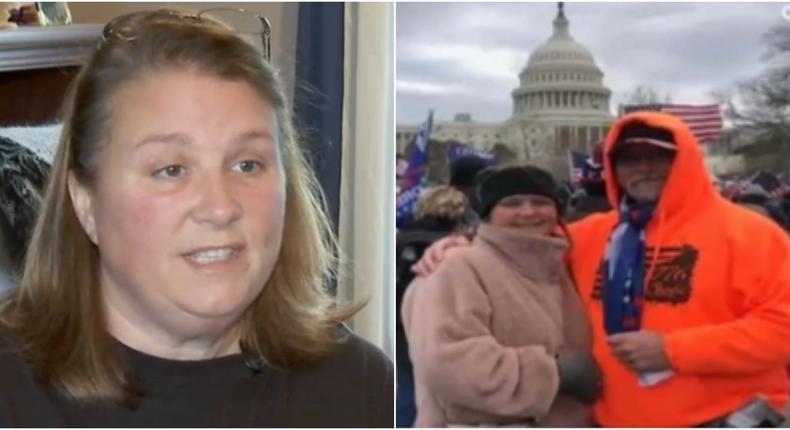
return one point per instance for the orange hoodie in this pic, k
(718, 289)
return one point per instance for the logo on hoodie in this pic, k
(671, 279)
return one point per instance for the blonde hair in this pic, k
(441, 201)
(56, 317)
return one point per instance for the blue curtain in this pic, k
(318, 93)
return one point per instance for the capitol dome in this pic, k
(561, 77)
(560, 48)
(560, 105)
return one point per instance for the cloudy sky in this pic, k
(465, 57)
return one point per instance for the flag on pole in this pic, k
(576, 162)
(419, 155)
(407, 201)
(415, 172)
(704, 120)
(459, 150)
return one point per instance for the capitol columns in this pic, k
(523, 151)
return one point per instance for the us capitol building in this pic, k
(561, 103)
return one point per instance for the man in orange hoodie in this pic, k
(687, 293)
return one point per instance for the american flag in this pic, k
(704, 120)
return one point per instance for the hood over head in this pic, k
(688, 184)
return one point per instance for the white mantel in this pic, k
(29, 48)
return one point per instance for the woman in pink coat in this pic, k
(498, 334)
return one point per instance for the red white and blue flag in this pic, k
(415, 172)
(705, 121)
(576, 162)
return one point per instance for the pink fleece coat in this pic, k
(484, 330)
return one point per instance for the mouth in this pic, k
(212, 255)
(647, 181)
(529, 224)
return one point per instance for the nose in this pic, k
(643, 163)
(218, 204)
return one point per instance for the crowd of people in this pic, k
(649, 295)
(762, 192)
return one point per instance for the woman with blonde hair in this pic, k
(176, 274)
(440, 211)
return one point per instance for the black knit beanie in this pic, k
(495, 185)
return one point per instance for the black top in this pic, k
(352, 387)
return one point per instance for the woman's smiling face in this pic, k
(529, 212)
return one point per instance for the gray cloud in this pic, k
(465, 57)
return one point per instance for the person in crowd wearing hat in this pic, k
(440, 211)
(591, 196)
(463, 173)
(754, 197)
(688, 294)
(497, 335)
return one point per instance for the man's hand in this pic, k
(435, 254)
(640, 351)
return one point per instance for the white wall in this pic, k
(367, 210)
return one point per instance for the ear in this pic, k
(82, 200)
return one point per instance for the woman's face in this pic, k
(529, 212)
(188, 205)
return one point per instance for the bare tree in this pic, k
(644, 95)
(764, 101)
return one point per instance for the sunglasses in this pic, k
(634, 154)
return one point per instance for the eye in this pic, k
(248, 166)
(170, 172)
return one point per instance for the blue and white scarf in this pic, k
(624, 269)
